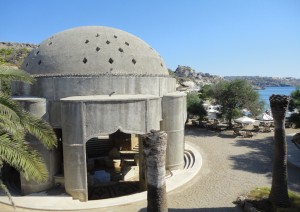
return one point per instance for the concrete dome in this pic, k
(94, 50)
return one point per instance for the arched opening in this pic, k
(11, 178)
(59, 160)
(112, 165)
(53, 159)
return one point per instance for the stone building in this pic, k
(93, 83)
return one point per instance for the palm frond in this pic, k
(9, 107)
(10, 73)
(11, 127)
(40, 129)
(33, 125)
(3, 188)
(27, 161)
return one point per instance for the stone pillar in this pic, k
(74, 153)
(174, 117)
(38, 107)
(279, 190)
(154, 145)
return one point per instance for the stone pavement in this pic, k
(293, 152)
(231, 167)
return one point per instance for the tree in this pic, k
(295, 99)
(236, 95)
(206, 92)
(15, 123)
(279, 190)
(295, 104)
(154, 150)
(195, 106)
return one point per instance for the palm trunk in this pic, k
(279, 190)
(155, 144)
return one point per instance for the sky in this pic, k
(219, 37)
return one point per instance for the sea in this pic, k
(268, 91)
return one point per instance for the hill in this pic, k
(262, 82)
(190, 80)
(13, 54)
(188, 77)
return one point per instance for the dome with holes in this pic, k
(94, 50)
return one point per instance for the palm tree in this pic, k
(279, 190)
(154, 145)
(15, 123)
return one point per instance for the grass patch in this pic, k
(259, 198)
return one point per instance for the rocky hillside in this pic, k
(192, 80)
(14, 53)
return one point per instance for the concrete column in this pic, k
(38, 107)
(154, 146)
(74, 153)
(174, 116)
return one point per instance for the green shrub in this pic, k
(261, 194)
(295, 119)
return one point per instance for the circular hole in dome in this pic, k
(86, 41)
(115, 36)
(27, 64)
(110, 60)
(97, 48)
(39, 62)
(97, 35)
(50, 43)
(127, 43)
(133, 61)
(107, 42)
(84, 60)
(121, 50)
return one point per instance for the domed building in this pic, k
(100, 88)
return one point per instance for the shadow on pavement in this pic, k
(197, 131)
(222, 209)
(259, 160)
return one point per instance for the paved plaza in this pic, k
(231, 166)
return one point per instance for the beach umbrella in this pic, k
(265, 117)
(245, 120)
(212, 113)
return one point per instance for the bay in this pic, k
(268, 91)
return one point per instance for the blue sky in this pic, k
(221, 37)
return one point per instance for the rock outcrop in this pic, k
(192, 80)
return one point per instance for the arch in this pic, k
(84, 117)
(113, 131)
